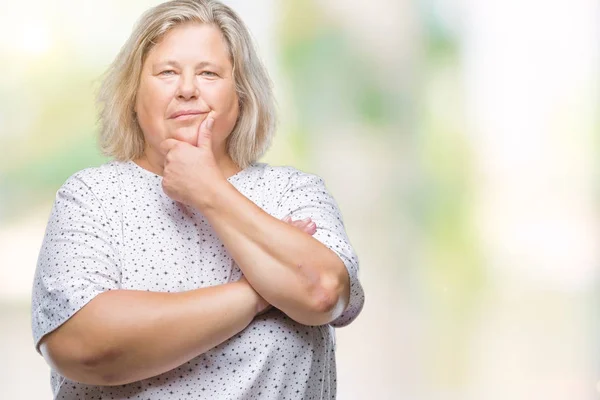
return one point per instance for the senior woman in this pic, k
(182, 268)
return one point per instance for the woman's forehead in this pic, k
(191, 43)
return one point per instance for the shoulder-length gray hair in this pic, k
(120, 134)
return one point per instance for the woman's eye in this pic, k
(167, 72)
(208, 73)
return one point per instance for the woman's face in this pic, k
(184, 77)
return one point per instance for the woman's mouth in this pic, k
(186, 114)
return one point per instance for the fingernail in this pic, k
(306, 219)
(312, 224)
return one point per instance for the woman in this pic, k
(181, 269)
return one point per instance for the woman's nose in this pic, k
(188, 87)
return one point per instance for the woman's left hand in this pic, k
(190, 173)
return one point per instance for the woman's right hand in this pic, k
(305, 225)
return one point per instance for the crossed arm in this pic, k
(107, 344)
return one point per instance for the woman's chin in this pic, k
(189, 134)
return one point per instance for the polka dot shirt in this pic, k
(113, 227)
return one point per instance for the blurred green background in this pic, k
(460, 140)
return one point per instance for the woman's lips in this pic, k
(186, 114)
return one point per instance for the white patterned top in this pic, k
(108, 227)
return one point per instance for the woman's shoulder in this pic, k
(285, 173)
(97, 180)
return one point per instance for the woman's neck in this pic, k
(155, 163)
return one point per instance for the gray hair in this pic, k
(120, 134)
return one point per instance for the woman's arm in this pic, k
(295, 272)
(313, 280)
(122, 336)
(107, 343)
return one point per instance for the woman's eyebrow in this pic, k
(208, 64)
(166, 62)
(176, 64)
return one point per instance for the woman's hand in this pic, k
(305, 225)
(190, 173)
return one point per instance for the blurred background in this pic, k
(460, 139)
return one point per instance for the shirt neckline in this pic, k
(232, 178)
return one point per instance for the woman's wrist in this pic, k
(252, 298)
(259, 304)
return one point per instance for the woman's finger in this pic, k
(306, 226)
(299, 223)
(311, 228)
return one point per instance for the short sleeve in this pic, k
(306, 196)
(77, 259)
